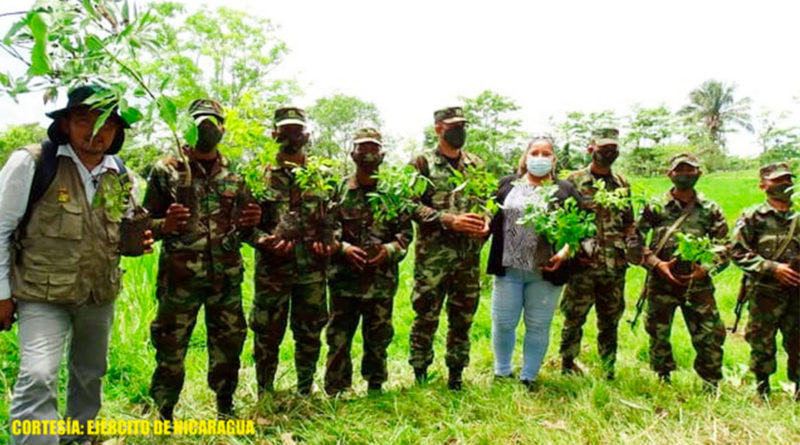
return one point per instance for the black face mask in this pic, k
(684, 182)
(208, 136)
(456, 136)
(368, 161)
(606, 157)
(780, 192)
(291, 142)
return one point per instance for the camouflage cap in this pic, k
(775, 170)
(605, 136)
(683, 158)
(449, 115)
(289, 116)
(206, 107)
(368, 135)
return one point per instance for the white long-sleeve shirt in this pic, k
(16, 179)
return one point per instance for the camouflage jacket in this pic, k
(303, 217)
(758, 234)
(705, 219)
(209, 249)
(359, 228)
(439, 199)
(616, 243)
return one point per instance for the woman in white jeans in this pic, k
(524, 264)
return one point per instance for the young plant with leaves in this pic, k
(473, 190)
(620, 199)
(564, 224)
(397, 189)
(693, 249)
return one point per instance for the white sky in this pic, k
(412, 57)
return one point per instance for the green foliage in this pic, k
(253, 171)
(17, 136)
(695, 249)
(574, 133)
(397, 189)
(649, 127)
(336, 119)
(494, 132)
(616, 199)
(114, 198)
(714, 108)
(565, 224)
(318, 176)
(474, 190)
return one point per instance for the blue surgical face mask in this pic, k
(539, 165)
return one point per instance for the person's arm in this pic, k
(719, 236)
(633, 242)
(744, 253)
(647, 222)
(16, 178)
(157, 198)
(404, 233)
(424, 213)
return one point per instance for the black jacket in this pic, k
(495, 267)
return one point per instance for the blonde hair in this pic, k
(522, 167)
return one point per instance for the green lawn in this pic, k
(633, 408)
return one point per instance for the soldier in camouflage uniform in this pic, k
(683, 210)
(366, 273)
(447, 252)
(202, 224)
(767, 248)
(292, 260)
(603, 259)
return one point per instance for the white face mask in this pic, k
(539, 165)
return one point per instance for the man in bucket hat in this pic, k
(61, 202)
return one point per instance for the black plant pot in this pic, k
(132, 230)
(185, 196)
(682, 268)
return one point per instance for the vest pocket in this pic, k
(51, 286)
(63, 220)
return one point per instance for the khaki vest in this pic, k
(68, 252)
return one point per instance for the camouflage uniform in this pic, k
(293, 284)
(600, 280)
(447, 263)
(199, 266)
(695, 300)
(758, 234)
(366, 295)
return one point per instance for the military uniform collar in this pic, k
(766, 208)
(441, 159)
(221, 161)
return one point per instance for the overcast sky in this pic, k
(412, 57)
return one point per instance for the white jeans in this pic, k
(44, 328)
(517, 292)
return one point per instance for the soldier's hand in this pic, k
(465, 223)
(177, 215)
(275, 245)
(148, 241)
(484, 232)
(382, 256)
(786, 275)
(356, 256)
(665, 269)
(698, 273)
(250, 216)
(7, 310)
(323, 249)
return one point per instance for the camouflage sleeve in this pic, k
(644, 224)
(157, 197)
(424, 213)
(633, 241)
(719, 236)
(404, 233)
(333, 209)
(743, 251)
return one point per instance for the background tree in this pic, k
(645, 131)
(16, 136)
(573, 134)
(714, 107)
(779, 140)
(335, 119)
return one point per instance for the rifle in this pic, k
(740, 301)
(640, 303)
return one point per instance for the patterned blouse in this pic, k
(519, 244)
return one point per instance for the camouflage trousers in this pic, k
(460, 283)
(377, 332)
(703, 321)
(605, 290)
(172, 330)
(770, 312)
(304, 306)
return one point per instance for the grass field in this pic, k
(633, 408)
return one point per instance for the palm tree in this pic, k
(714, 106)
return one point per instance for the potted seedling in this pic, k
(121, 207)
(318, 178)
(691, 250)
(473, 191)
(565, 224)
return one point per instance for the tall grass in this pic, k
(635, 407)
